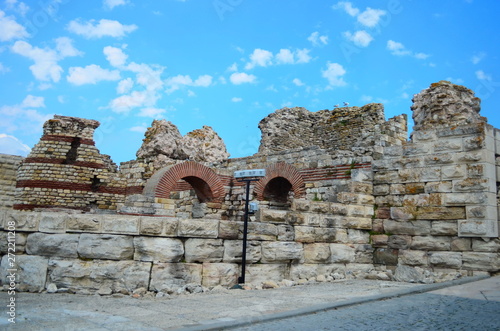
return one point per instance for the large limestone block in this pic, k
(429, 243)
(120, 224)
(444, 228)
(262, 231)
(60, 245)
(482, 245)
(259, 273)
(12, 240)
(317, 253)
(408, 274)
(446, 260)
(341, 253)
(28, 272)
(224, 274)
(205, 228)
(355, 236)
(53, 222)
(413, 228)
(478, 228)
(308, 234)
(481, 261)
(233, 250)
(119, 276)
(168, 277)
(230, 230)
(204, 250)
(361, 222)
(84, 223)
(106, 246)
(414, 258)
(22, 220)
(158, 249)
(280, 252)
(272, 216)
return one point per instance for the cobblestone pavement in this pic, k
(240, 309)
(456, 308)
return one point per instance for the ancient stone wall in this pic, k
(346, 128)
(8, 172)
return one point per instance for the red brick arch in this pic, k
(206, 183)
(285, 171)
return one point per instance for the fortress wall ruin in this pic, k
(8, 165)
(423, 210)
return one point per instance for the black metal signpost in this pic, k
(247, 176)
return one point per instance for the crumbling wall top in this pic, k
(70, 126)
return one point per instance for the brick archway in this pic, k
(206, 183)
(279, 171)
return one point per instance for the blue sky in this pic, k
(230, 63)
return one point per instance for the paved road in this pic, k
(448, 309)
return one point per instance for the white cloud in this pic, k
(233, 67)
(61, 99)
(110, 4)
(297, 82)
(333, 74)
(235, 99)
(13, 146)
(370, 17)
(238, 78)
(152, 112)
(115, 56)
(148, 76)
(347, 6)
(125, 103)
(285, 56)
(366, 98)
(176, 82)
(124, 86)
(3, 69)
(64, 47)
(360, 38)
(399, 49)
(104, 28)
(33, 102)
(303, 55)
(91, 74)
(481, 75)
(139, 128)
(10, 29)
(478, 57)
(318, 40)
(259, 58)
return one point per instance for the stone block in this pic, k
(385, 177)
(341, 253)
(319, 207)
(198, 228)
(359, 211)
(363, 223)
(475, 212)
(295, 217)
(77, 275)
(12, 242)
(444, 228)
(234, 248)
(488, 245)
(429, 243)
(301, 205)
(473, 185)
(355, 236)
(106, 246)
(223, 274)
(385, 256)
(379, 240)
(438, 159)
(448, 145)
(60, 245)
(120, 224)
(478, 228)
(24, 221)
(204, 250)
(152, 226)
(482, 261)
(286, 233)
(53, 222)
(272, 216)
(414, 258)
(282, 252)
(308, 234)
(399, 242)
(472, 198)
(413, 228)
(446, 260)
(312, 271)
(413, 175)
(230, 230)
(408, 274)
(84, 223)
(158, 249)
(362, 175)
(262, 231)
(438, 187)
(317, 253)
(168, 277)
(461, 244)
(259, 273)
(364, 253)
(453, 171)
(30, 272)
